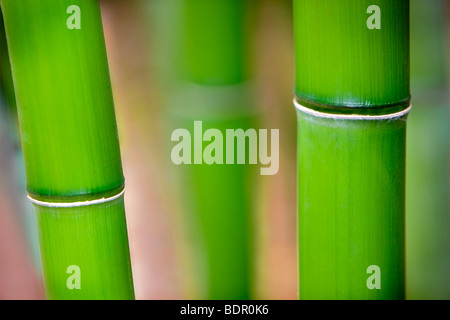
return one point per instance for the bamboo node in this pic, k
(75, 204)
(337, 116)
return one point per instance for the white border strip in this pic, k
(75, 204)
(351, 116)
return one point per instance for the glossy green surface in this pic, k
(70, 145)
(213, 41)
(94, 238)
(218, 198)
(351, 195)
(341, 62)
(351, 173)
(65, 104)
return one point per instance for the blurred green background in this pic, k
(229, 63)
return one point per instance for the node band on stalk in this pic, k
(353, 116)
(77, 203)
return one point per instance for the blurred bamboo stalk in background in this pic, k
(70, 144)
(18, 277)
(207, 81)
(352, 97)
(26, 210)
(427, 174)
(213, 89)
(5, 71)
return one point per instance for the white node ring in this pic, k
(75, 204)
(320, 114)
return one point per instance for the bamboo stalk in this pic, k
(214, 41)
(18, 277)
(214, 46)
(5, 69)
(208, 84)
(70, 145)
(218, 201)
(427, 181)
(6, 82)
(352, 97)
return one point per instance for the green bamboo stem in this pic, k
(214, 59)
(213, 40)
(351, 170)
(209, 85)
(70, 146)
(340, 62)
(427, 206)
(219, 198)
(5, 69)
